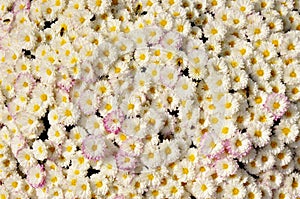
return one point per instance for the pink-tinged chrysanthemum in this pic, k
(211, 145)
(24, 83)
(93, 147)
(36, 176)
(277, 104)
(125, 161)
(113, 121)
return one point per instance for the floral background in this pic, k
(149, 99)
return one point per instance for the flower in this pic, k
(277, 104)
(125, 161)
(113, 121)
(203, 188)
(36, 176)
(94, 147)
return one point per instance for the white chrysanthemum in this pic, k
(257, 30)
(259, 135)
(108, 53)
(88, 102)
(234, 189)
(291, 74)
(164, 20)
(185, 88)
(169, 151)
(227, 105)
(25, 158)
(39, 150)
(185, 170)
(203, 188)
(169, 76)
(151, 157)
(286, 131)
(99, 184)
(69, 114)
(13, 183)
(214, 30)
(226, 167)
(56, 133)
(265, 160)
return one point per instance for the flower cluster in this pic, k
(149, 99)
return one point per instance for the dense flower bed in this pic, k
(149, 99)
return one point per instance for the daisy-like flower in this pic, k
(203, 188)
(99, 184)
(36, 176)
(185, 170)
(215, 30)
(226, 167)
(256, 31)
(39, 149)
(169, 76)
(69, 113)
(234, 189)
(171, 40)
(169, 151)
(272, 178)
(265, 160)
(286, 132)
(277, 104)
(88, 102)
(211, 144)
(107, 53)
(239, 145)
(132, 146)
(184, 87)
(125, 161)
(94, 147)
(113, 121)
(13, 182)
(151, 157)
(24, 83)
(259, 135)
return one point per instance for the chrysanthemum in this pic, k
(25, 158)
(211, 145)
(132, 146)
(214, 30)
(69, 113)
(272, 178)
(203, 188)
(259, 135)
(125, 161)
(169, 151)
(239, 145)
(256, 31)
(265, 160)
(165, 21)
(185, 87)
(226, 167)
(113, 121)
(286, 132)
(234, 189)
(88, 102)
(169, 76)
(99, 184)
(277, 104)
(36, 176)
(107, 53)
(56, 133)
(151, 157)
(13, 182)
(39, 149)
